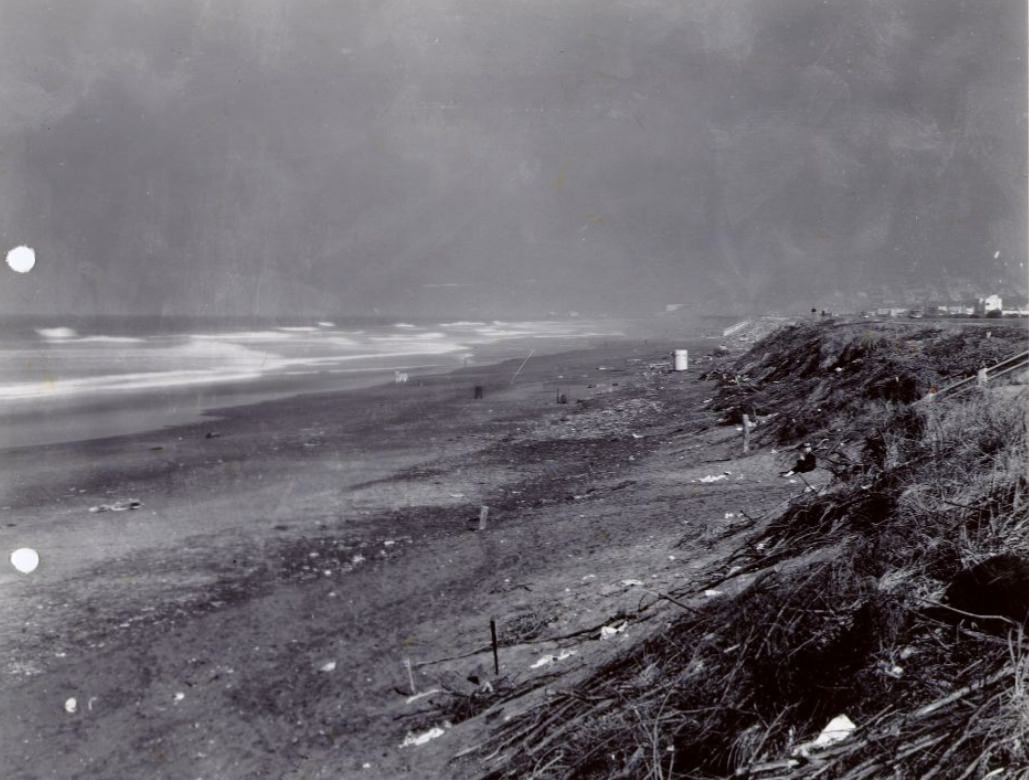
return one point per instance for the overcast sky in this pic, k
(509, 156)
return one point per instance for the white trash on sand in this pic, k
(118, 506)
(546, 660)
(71, 705)
(435, 732)
(713, 478)
(606, 632)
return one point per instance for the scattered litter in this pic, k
(366, 765)
(837, 730)
(793, 482)
(671, 557)
(734, 570)
(636, 436)
(389, 542)
(426, 736)
(891, 670)
(179, 696)
(713, 593)
(118, 506)
(357, 559)
(456, 495)
(422, 695)
(714, 478)
(71, 705)
(546, 660)
(730, 515)
(606, 632)
(588, 577)
(631, 583)
(89, 703)
(328, 666)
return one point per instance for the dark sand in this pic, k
(198, 634)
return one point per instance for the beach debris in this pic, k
(212, 435)
(328, 666)
(713, 478)
(422, 695)
(730, 515)
(711, 594)
(483, 517)
(546, 660)
(631, 583)
(179, 696)
(388, 542)
(606, 632)
(836, 730)
(891, 670)
(71, 705)
(358, 559)
(25, 560)
(118, 506)
(413, 740)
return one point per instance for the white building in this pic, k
(992, 303)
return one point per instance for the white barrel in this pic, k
(681, 360)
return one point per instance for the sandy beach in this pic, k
(256, 615)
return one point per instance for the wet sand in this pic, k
(253, 617)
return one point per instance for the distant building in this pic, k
(891, 311)
(991, 303)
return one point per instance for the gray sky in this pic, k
(508, 156)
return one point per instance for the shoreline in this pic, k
(111, 414)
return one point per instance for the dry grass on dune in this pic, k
(848, 612)
(812, 380)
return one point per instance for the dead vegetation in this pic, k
(851, 605)
(817, 380)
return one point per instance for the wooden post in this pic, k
(483, 514)
(410, 676)
(496, 657)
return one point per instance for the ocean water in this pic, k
(137, 373)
